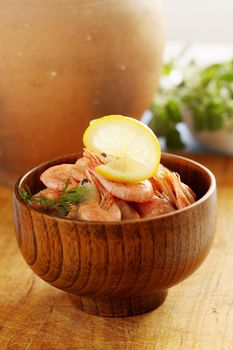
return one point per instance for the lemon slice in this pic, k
(133, 147)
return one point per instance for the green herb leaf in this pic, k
(167, 68)
(60, 206)
(199, 120)
(72, 196)
(159, 122)
(173, 110)
(174, 140)
(25, 195)
(214, 121)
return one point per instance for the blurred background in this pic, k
(193, 110)
(200, 20)
(62, 66)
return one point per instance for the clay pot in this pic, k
(65, 63)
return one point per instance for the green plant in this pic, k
(207, 93)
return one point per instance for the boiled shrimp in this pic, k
(59, 177)
(100, 206)
(90, 160)
(188, 192)
(157, 206)
(111, 200)
(69, 175)
(95, 158)
(106, 210)
(46, 193)
(127, 210)
(168, 183)
(79, 170)
(139, 192)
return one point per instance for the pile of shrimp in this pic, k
(111, 200)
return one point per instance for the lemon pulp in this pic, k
(134, 148)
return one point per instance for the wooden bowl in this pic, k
(118, 268)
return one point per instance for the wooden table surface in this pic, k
(198, 313)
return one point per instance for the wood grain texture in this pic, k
(197, 314)
(122, 268)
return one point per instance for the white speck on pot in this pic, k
(89, 37)
(53, 74)
(19, 53)
(121, 66)
(26, 25)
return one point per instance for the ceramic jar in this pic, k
(65, 62)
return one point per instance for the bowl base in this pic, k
(119, 307)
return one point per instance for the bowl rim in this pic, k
(209, 192)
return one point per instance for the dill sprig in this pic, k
(71, 197)
(61, 206)
(25, 194)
